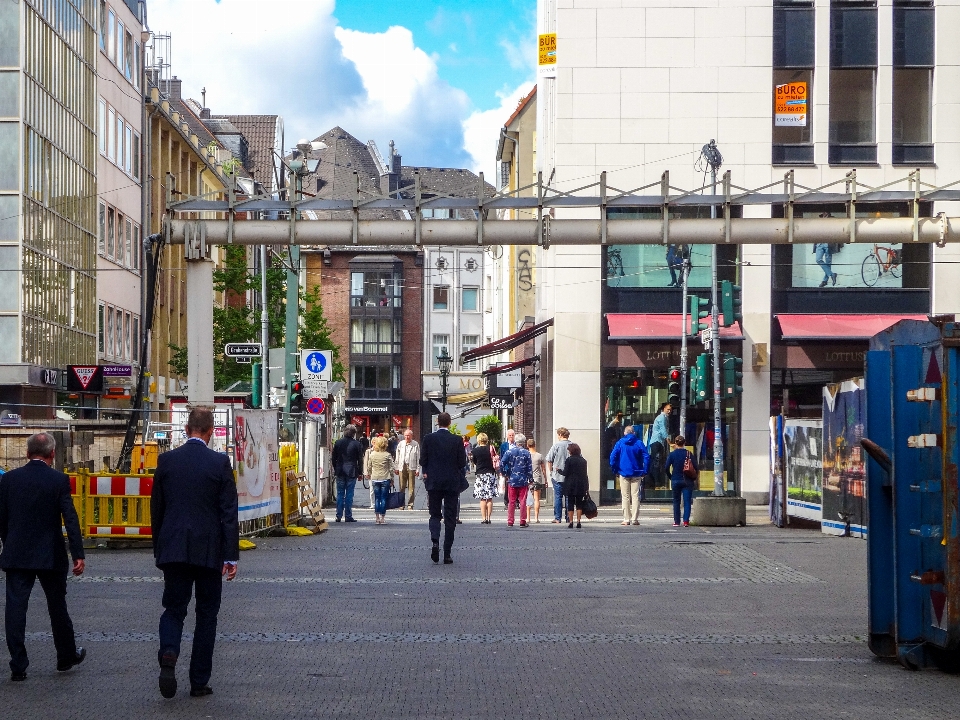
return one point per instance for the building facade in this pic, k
(639, 87)
(48, 198)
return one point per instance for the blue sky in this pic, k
(439, 77)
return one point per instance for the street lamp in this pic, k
(445, 362)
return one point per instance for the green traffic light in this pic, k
(731, 303)
(698, 312)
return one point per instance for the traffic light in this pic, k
(730, 303)
(673, 386)
(256, 384)
(700, 378)
(698, 311)
(732, 375)
(297, 403)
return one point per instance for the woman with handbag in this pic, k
(539, 481)
(487, 463)
(378, 468)
(576, 485)
(683, 476)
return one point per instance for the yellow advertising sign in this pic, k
(790, 105)
(547, 55)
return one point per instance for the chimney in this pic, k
(205, 113)
(174, 88)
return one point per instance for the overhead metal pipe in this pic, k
(564, 231)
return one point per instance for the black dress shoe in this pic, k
(168, 676)
(77, 659)
(447, 560)
(201, 691)
(18, 677)
(337, 520)
(435, 553)
(351, 519)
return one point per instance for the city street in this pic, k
(545, 622)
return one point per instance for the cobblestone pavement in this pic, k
(544, 622)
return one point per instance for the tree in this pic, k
(491, 425)
(315, 332)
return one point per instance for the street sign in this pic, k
(315, 389)
(315, 363)
(243, 350)
(315, 406)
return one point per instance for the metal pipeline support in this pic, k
(564, 231)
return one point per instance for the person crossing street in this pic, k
(630, 462)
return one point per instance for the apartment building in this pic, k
(638, 89)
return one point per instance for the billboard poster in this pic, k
(791, 105)
(803, 463)
(257, 446)
(844, 467)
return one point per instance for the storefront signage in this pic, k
(85, 378)
(791, 105)
(10, 419)
(499, 403)
(812, 356)
(547, 55)
(51, 377)
(114, 371)
(368, 408)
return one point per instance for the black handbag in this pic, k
(589, 507)
(396, 500)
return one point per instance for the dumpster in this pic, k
(910, 438)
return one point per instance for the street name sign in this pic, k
(243, 350)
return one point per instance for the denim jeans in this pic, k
(558, 501)
(380, 491)
(824, 260)
(682, 490)
(345, 488)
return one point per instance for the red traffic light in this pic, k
(635, 384)
(674, 374)
(297, 387)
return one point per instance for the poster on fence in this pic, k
(803, 461)
(257, 463)
(844, 468)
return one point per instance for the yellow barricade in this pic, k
(117, 506)
(289, 490)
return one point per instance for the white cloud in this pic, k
(481, 131)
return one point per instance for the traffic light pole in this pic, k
(718, 488)
(684, 275)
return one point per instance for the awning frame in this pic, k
(507, 343)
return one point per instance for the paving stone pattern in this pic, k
(606, 622)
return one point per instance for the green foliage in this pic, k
(178, 362)
(315, 332)
(491, 425)
(455, 430)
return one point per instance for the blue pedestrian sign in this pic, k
(315, 365)
(316, 362)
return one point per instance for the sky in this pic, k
(438, 77)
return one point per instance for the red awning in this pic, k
(624, 326)
(505, 344)
(496, 370)
(831, 327)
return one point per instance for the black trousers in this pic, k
(179, 582)
(19, 586)
(658, 457)
(443, 504)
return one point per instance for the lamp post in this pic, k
(445, 362)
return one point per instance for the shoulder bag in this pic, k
(589, 507)
(689, 469)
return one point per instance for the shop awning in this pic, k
(655, 326)
(831, 327)
(512, 366)
(504, 344)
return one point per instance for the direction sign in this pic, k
(315, 406)
(243, 350)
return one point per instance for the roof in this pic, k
(454, 182)
(523, 103)
(193, 120)
(260, 132)
(831, 327)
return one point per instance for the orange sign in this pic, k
(790, 107)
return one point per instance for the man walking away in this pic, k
(443, 461)
(347, 466)
(556, 457)
(630, 461)
(33, 499)
(659, 445)
(407, 465)
(196, 543)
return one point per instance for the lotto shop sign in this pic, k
(790, 105)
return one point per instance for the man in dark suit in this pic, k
(443, 460)
(33, 499)
(196, 542)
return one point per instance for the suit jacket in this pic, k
(443, 460)
(33, 498)
(347, 458)
(193, 508)
(413, 462)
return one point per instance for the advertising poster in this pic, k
(803, 462)
(844, 467)
(791, 105)
(257, 463)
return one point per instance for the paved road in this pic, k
(546, 622)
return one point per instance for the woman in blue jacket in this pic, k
(682, 486)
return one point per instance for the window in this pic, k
(375, 288)
(100, 328)
(853, 79)
(110, 231)
(441, 297)
(103, 25)
(128, 241)
(109, 350)
(102, 127)
(127, 340)
(118, 158)
(112, 134)
(128, 57)
(111, 38)
(135, 156)
(793, 62)
(136, 65)
(441, 345)
(470, 299)
(128, 150)
(375, 381)
(913, 64)
(136, 247)
(469, 342)
(120, 45)
(102, 245)
(136, 339)
(374, 336)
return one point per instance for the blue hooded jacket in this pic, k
(630, 457)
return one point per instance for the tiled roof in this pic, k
(193, 120)
(521, 106)
(260, 132)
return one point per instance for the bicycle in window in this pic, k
(881, 261)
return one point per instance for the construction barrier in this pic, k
(118, 506)
(289, 489)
